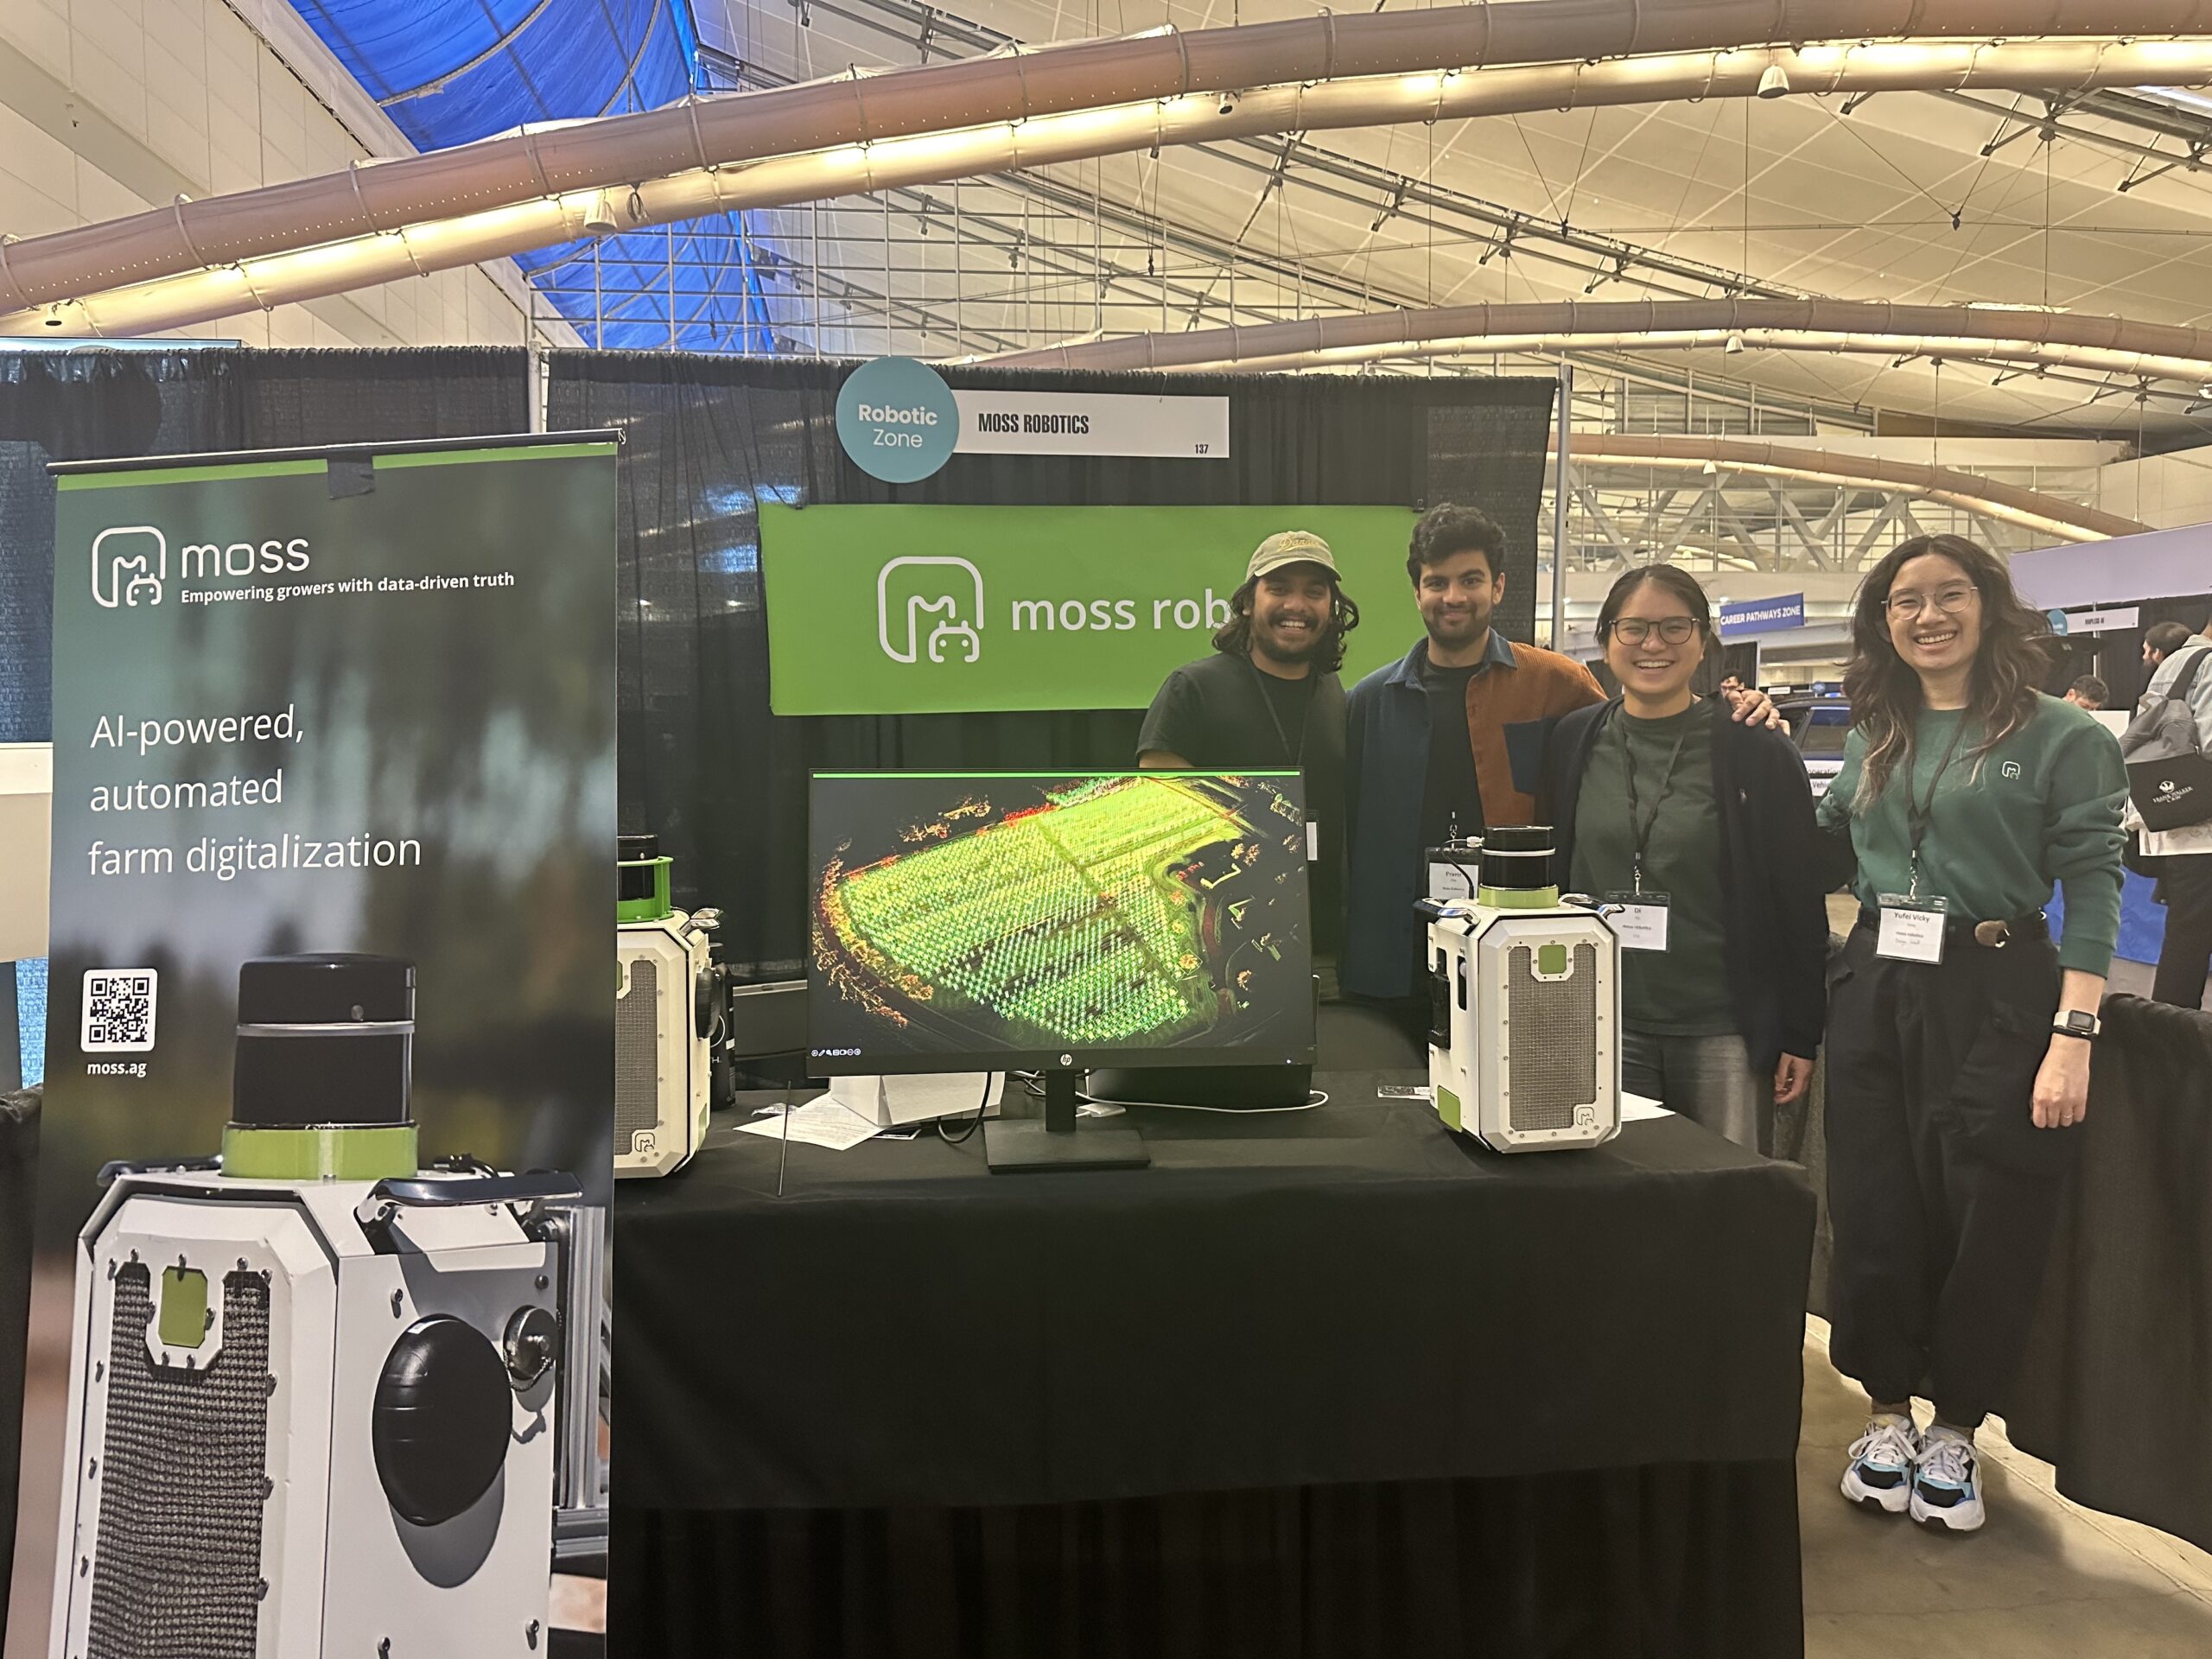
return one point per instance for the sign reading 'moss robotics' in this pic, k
(912, 609)
(899, 421)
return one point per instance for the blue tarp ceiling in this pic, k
(465, 69)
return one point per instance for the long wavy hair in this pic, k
(1885, 692)
(1234, 637)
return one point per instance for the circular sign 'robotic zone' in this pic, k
(897, 419)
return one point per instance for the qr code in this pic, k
(119, 1010)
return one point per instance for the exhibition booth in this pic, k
(1021, 1245)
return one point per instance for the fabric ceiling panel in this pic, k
(450, 74)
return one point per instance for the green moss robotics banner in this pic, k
(908, 609)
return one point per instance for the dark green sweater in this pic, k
(2041, 808)
(1683, 991)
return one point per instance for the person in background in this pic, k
(2088, 692)
(2184, 855)
(1267, 696)
(2160, 641)
(1443, 742)
(1733, 684)
(1702, 830)
(1959, 1036)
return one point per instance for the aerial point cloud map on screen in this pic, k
(974, 915)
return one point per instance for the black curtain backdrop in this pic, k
(2114, 1387)
(722, 782)
(18, 1189)
(2117, 658)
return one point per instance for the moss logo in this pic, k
(930, 608)
(130, 566)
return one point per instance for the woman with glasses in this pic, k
(1959, 1033)
(1700, 829)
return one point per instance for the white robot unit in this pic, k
(667, 1019)
(1524, 1023)
(315, 1406)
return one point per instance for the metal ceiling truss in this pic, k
(1448, 215)
(1622, 517)
(1507, 229)
(2176, 139)
(1427, 208)
(802, 282)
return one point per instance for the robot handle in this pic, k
(544, 1186)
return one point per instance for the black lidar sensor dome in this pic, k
(324, 1041)
(333, 990)
(634, 879)
(1518, 857)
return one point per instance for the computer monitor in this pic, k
(1056, 922)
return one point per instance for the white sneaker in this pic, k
(1946, 1484)
(1879, 1475)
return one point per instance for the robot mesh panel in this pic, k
(177, 1571)
(1554, 1023)
(637, 1054)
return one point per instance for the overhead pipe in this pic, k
(1017, 85)
(2010, 504)
(225, 290)
(2107, 345)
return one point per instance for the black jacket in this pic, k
(1774, 923)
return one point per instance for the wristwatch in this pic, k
(2078, 1023)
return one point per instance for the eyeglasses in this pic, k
(1635, 630)
(1950, 600)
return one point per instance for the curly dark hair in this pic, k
(1445, 529)
(1234, 637)
(1884, 691)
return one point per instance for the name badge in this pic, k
(1639, 919)
(1312, 841)
(1451, 883)
(1911, 929)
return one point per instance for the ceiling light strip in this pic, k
(688, 191)
(612, 151)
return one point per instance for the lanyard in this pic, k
(1296, 756)
(1640, 825)
(1918, 813)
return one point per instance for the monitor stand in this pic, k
(1055, 1142)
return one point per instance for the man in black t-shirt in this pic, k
(1268, 696)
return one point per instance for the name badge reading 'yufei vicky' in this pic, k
(1911, 929)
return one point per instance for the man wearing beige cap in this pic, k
(1268, 696)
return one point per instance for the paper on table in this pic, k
(1637, 1108)
(823, 1123)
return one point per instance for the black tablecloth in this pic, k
(1348, 1294)
(1326, 1385)
(1665, 1561)
(2119, 1370)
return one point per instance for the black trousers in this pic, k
(1942, 1193)
(2188, 950)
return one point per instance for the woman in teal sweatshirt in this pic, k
(1958, 1034)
